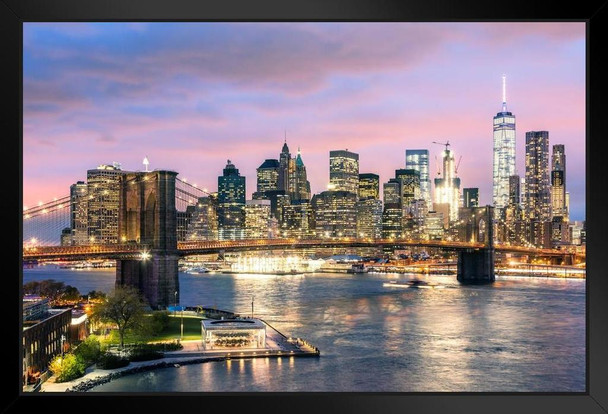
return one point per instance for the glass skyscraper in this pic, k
(418, 159)
(231, 204)
(504, 153)
(344, 171)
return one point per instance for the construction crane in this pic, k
(457, 164)
(447, 144)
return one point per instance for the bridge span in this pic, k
(129, 251)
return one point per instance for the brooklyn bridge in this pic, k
(148, 250)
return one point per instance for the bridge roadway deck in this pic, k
(134, 251)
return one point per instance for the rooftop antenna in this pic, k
(504, 93)
(146, 163)
(286, 136)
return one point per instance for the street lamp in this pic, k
(62, 341)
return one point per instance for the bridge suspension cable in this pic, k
(42, 224)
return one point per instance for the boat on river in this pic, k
(413, 284)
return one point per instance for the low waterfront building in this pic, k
(42, 339)
(233, 333)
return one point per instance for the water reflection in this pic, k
(520, 334)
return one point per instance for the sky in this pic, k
(190, 96)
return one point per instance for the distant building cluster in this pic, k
(532, 210)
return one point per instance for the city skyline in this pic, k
(87, 103)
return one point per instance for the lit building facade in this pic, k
(558, 182)
(233, 333)
(78, 213)
(267, 178)
(433, 225)
(504, 153)
(296, 220)
(537, 188)
(447, 188)
(257, 216)
(103, 192)
(369, 186)
(410, 185)
(231, 204)
(392, 214)
(204, 222)
(369, 218)
(418, 159)
(344, 171)
(537, 209)
(335, 213)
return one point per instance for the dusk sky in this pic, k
(189, 96)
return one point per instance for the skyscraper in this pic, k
(537, 188)
(537, 209)
(410, 185)
(369, 218)
(267, 177)
(203, 224)
(284, 159)
(296, 220)
(392, 213)
(231, 204)
(369, 186)
(257, 219)
(418, 159)
(78, 214)
(471, 197)
(514, 190)
(300, 187)
(504, 153)
(335, 213)
(447, 188)
(344, 171)
(558, 182)
(103, 192)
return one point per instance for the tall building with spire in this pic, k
(504, 153)
(300, 188)
(447, 188)
(284, 161)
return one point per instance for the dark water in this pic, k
(519, 334)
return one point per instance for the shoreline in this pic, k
(279, 346)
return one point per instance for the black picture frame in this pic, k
(595, 13)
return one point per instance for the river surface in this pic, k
(520, 334)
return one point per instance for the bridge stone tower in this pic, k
(147, 216)
(476, 266)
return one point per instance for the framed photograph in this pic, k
(368, 208)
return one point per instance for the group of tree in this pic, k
(72, 365)
(59, 291)
(124, 309)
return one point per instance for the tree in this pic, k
(67, 367)
(70, 294)
(125, 308)
(89, 350)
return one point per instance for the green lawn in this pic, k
(192, 331)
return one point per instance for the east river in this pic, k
(518, 335)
